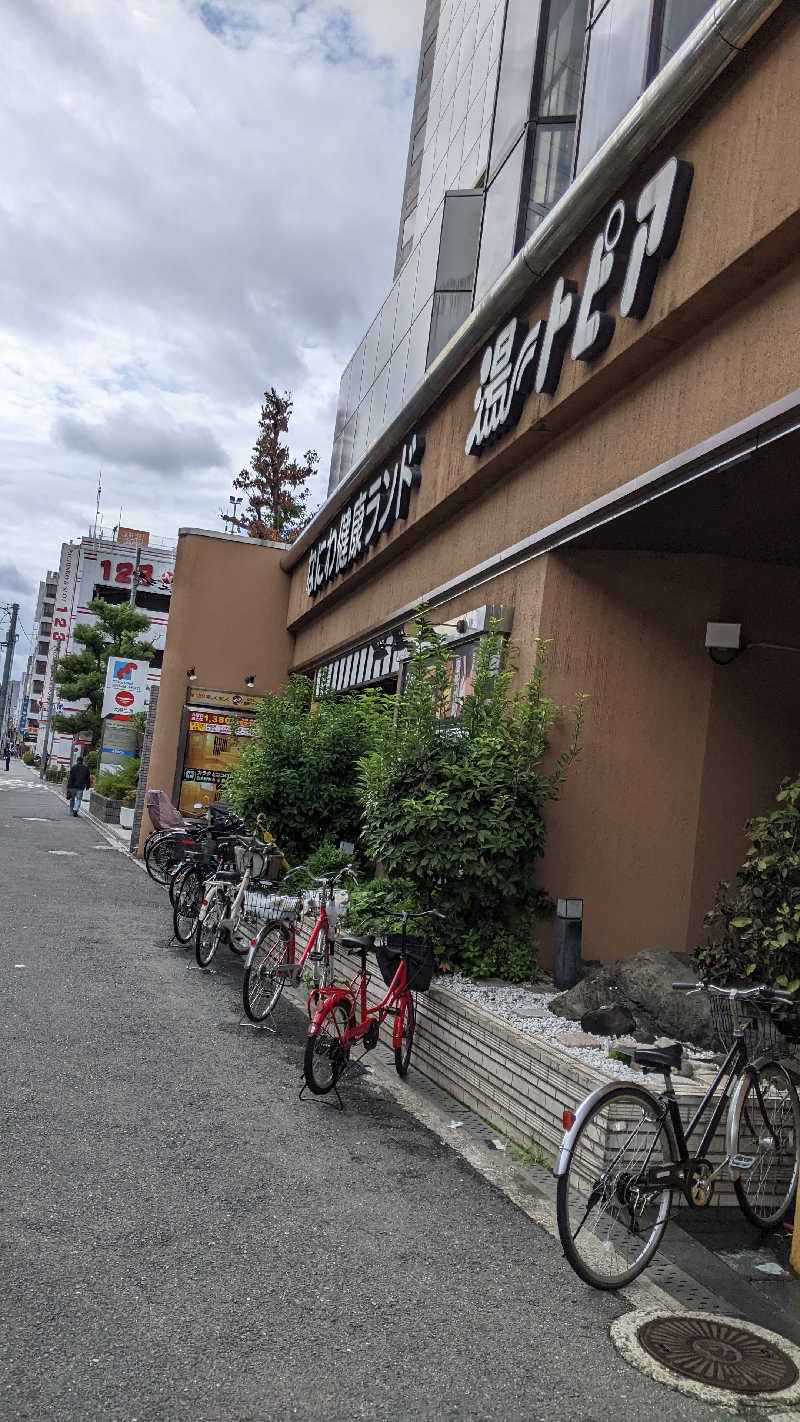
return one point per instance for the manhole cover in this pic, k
(717, 1353)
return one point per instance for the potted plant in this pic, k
(127, 810)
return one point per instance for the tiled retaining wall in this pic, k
(510, 1078)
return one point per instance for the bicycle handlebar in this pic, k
(766, 994)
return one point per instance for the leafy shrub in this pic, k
(324, 863)
(754, 928)
(118, 785)
(90, 760)
(299, 769)
(27, 758)
(56, 774)
(455, 807)
(376, 905)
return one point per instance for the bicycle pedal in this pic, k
(742, 1162)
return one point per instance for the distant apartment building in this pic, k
(36, 670)
(95, 566)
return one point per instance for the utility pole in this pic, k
(9, 657)
(46, 746)
(135, 578)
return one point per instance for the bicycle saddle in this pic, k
(353, 944)
(664, 1058)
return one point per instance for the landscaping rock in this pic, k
(612, 1020)
(645, 1038)
(643, 985)
(577, 1039)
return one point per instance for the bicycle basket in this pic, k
(764, 1035)
(261, 864)
(421, 963)
(260, 903)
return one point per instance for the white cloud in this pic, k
(200, 199)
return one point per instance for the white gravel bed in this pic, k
(510, 1002)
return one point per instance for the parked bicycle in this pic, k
(222, 917)
(341, 1018)
(273, 959)
(626, 1150)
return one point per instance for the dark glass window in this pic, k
(498, 237)
(153, 602)
(555, 111)
(616, 68)
(551, 168)
(673, 20)
(47, 609)
(513, 106)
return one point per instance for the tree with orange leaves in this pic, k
(275, 485)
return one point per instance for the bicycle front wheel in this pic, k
(262, 987)
(208, 931)
(766, 1128)
(188, 898)
(326, 1056)
(402, 1054)
(610, 1220)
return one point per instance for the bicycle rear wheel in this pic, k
(767, 1128)
(165, 852)
(262, 987)
(609, 1220)
(402, 1054)
(326, 1056)
(188, 898)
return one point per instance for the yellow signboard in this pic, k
(214, 742)
(231, 700)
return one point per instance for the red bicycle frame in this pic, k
(296, 966)
(355, 994)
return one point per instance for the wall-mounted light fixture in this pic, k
(723, 641)
(249, 681)
(191, 674)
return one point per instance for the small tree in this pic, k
(299, 769)
(454, 807)
(82, 675)
(275, 484)
(754, 928)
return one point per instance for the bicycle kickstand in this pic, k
(321, 1100)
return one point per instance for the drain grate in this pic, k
(712, 1351)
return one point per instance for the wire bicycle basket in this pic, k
(261, 903)
(420, 959)
(766, 1034)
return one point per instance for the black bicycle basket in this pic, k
(770, 1032)
(420, 965)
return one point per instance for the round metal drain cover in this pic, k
(717, 1353)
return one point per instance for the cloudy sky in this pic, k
(198, 199)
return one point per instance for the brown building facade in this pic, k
(606, 451)
(632, 415)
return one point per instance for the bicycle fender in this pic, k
(568, 1143)
(332, 996)
(735, 1110)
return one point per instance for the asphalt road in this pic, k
(182, 1238)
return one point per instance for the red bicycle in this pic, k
(340, 1017)
(273, 960)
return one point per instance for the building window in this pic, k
(38, 687)
(673, 20)
(43, 649)
(47, 609)
(153, 601)
(41, 668)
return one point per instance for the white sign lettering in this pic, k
(372, 511)
(625, 257)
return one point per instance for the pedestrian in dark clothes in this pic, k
(79, 780)
(7, 754)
